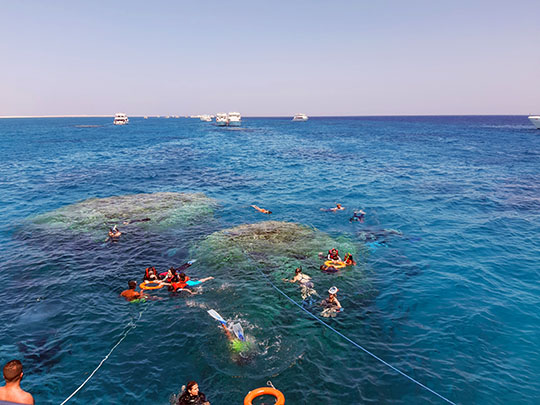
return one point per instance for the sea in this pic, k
(450, 279)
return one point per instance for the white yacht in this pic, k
(120, 119)
(300, 117)
(221, 119)
(235, 119)
(205, 118)
(535, 119)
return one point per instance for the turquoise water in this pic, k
(451, 300)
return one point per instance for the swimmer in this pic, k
(150, 275)
(192, 395)
(331, 304)
(132, 221)
(114, 234)
(184, 282)
(358, 216)
(349, 261)
(11, 393)
(261, 210)
(338, 207)
(333, 254)
(328, 269)
(130, 294)
(305, 283)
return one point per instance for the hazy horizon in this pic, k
(269, 59)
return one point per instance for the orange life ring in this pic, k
(280, 398)
(337, 265)
(145, 285)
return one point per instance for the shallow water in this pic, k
(453, 300)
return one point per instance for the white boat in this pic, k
(206, 118)
(221, 119)
(120, 119)
(300, 117)
(535, 119)
(235, 119)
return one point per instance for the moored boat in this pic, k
(300, 117)
(535, 119)
(235, 119)
(120, 119)
(221, 119)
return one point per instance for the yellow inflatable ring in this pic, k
(280, 398)
(147, 285)
(337, 265)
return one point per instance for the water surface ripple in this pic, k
(452, 298)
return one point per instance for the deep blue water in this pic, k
(454, 301)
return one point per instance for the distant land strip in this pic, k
(53, 116)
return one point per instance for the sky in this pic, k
(269, 58)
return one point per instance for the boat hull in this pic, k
(535, 119)
(235, 123)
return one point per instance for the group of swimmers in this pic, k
(174, 278)
(331, 305)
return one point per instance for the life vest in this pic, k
(333, 254)
(147, 273)
(180, 284)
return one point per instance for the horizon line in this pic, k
(258, 116)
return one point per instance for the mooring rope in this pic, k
(352, 341)
(129, 327)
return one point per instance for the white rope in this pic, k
(130, 326)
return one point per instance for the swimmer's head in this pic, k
(132, 284)
(298, 270)
(182, 276)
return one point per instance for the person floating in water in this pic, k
(261, 210)
(132, 221)
(150, 275)
(192, 395)
(130, 294)
(331, 304)
(348, 259)
(184, 283)
(114, 234)
(333, 254)
(305, 282)
(338, 207)
(12, 393)
(358, 216)
(328, 269)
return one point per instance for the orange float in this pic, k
(146, 285)
(336, 264)
(280, 398)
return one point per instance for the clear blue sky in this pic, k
(269, 57)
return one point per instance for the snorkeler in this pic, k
(150, 274)
(132, 221)
(238, 341)
(192, 395)
(328, 269)
(261, 210)
(114, 234)
(348, 259)
(331, 304)
(333, 254)
(358, 216)
(184, 282)
(305, 283)
(338, 207)
(130, 294)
